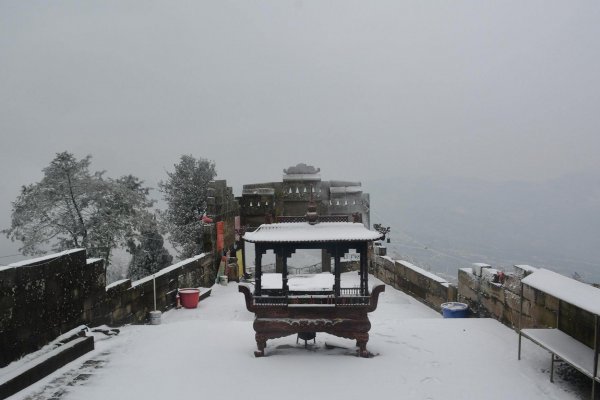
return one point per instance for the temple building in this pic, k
(288, 201)
(274, 201)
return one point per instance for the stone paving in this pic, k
(61, 385)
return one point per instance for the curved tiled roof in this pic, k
(304, 232)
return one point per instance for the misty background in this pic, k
(474, 126)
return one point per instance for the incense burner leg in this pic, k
(261, 343)
(361, 343)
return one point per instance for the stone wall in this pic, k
(42, 298)
(130, 302)
(492, 294)
(419, 283)
(222, 207)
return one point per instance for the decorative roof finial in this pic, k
(302, 169)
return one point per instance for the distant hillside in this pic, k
(444, 224)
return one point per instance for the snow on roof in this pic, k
(345, 190)
(569, 290)
(258, 191)
(304, 232)
(301, 177)
(93, 260)
(483, 265)
(526, 268)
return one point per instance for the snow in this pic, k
(569, 290)
(304, 232)
(454, 306)
(189, 291)
(313, 282)
(345, 190)
(301, 177)
(32, 261)
(424, 272)
(569, 349)
(481, 265)
(116, 283)
(526, 268)
(207, 352)
(19, 366)
(166, 270)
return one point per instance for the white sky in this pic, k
(497, 90)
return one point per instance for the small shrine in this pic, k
(287, 304)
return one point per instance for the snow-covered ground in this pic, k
(207, 353)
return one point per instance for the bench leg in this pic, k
(552, 368)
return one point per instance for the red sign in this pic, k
(220, 236)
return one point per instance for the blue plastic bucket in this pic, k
(455, 310)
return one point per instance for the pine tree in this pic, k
(149, 255)
(185, 192)
(74, 208)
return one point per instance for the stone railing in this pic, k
(494, 294)
(419, 283)
(130, 301)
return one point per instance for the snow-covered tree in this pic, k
(185, 192)
(149, 255)
(72, 207)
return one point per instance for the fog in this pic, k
(496, 94)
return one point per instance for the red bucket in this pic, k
(189, 297)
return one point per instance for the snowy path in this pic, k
(208, 353)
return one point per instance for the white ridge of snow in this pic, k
(424, 272)
(167, 269)
(38, 260)
(116, 283)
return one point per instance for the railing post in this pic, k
(520, 320)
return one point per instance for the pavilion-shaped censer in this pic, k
(289, 309)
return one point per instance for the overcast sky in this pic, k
(497, 90)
